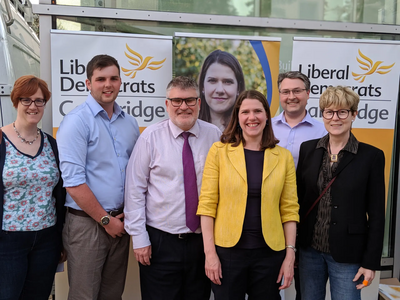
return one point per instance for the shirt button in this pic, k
(334, 223)
(335, 206)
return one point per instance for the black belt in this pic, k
(81, 213)
(181, 236)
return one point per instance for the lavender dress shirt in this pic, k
(154, 189)
(291, 138)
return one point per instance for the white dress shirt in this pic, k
(154, 190)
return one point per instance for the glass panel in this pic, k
(164, 28)
(354, 11)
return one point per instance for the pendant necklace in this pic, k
(334, 157)
(24, 140)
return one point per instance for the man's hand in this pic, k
(63, 256)
(116, 226)
(143, 255)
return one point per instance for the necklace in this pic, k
(24, 140)
(334, 157)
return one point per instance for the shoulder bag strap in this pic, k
(320, 196)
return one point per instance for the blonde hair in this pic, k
(339, 96)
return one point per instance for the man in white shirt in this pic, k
(170, 254)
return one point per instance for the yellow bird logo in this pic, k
(370, 67)
(140, 64)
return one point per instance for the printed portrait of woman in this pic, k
(221, 80)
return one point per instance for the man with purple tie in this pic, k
(163, 180)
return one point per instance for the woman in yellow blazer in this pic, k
(248, 206)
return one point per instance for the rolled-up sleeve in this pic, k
(289, 206)
(209, 196)
(72, 143)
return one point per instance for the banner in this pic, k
(243, 63)
(146, 69)
(371, 68)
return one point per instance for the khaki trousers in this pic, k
(97, 263)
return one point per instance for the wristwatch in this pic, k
(105, 220)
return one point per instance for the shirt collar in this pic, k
(307, 118)
(96, 108)
(351, 146)
(176, 131)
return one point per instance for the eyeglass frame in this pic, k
(337, 113)
(287, 92)
(34, 101)
(183, 100)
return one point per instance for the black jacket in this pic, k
(358, 203)
(59, 192)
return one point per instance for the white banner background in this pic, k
(148, 57)
(335, 61)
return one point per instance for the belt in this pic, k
(181, 236)
(81, 213)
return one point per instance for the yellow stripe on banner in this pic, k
(55, 129)
(272, 50)
(382, 139)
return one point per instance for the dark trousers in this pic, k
(28, 262)
(251, 271)
(176, 270)
(297, 277)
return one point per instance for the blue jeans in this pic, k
(28, 261)
(315, 267)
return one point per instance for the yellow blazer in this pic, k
(224, 194)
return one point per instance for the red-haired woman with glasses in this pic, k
(33, 198)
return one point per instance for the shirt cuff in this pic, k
(141, 241)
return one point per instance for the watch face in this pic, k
(105, 220)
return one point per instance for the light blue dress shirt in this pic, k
(95, 150)
(292, 138)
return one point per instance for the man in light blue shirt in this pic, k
(295, 125)
(95, 141)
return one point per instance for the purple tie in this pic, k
(190, 183)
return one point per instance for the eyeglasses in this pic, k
(177, 102)
(28, 102)
(341, 113)
(295, 92)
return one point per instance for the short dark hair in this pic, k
(26, 86)
(183, 83)
(99, 62)
(294, 75)
(226, 59)
(233, 133)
